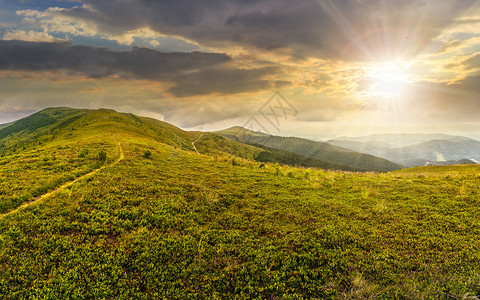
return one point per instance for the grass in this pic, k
(27, 175)
(293, 150)
(179, 225)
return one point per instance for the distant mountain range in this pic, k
(328, 154)
(415, 149)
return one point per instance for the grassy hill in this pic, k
(5, 125)
(176, 224)
(65, 143)
(317, 150)
(292, 159)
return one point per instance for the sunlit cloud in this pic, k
(29, 36)
(374, 62)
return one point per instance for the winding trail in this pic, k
(38, 199)
(193, 143)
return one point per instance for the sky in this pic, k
(313, 68)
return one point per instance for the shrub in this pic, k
(102, 155)
(83, 153)
(147, 154)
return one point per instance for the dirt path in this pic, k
(193, 143)
(66, 185)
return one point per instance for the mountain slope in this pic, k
(61, 123)
(449, 148)
(180, 225)
(438, 150)
(66, 143)
(316, 150)
(292, 159)
(394, 140)
(5, 125)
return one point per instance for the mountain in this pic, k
(437, 151)
(450, 162)
(440, 149)
(65, 123)
(394, 140)
(5, 125)
(316, 150)
(292, 159)
(96, 204)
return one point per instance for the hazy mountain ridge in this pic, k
(398, 140)
(440, 148)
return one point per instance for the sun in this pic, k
(387, 80)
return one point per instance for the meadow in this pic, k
(182, 225)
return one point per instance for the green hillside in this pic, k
(5, 125)
(52, 141)
(157, 220)
(316, 150)
(214, 144)
(292, 159)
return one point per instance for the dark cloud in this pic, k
(457, 102)
(98, 62)
(469, 84)
(193, 73)
(226, 81)
(348, 29)
(472, 62)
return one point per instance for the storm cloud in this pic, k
(340, 29)
(142, 63)
(226, 81)
(191, 73)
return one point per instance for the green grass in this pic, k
(319, 153)
(179, 225)
(28, 175)
(296, 160)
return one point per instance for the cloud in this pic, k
(191, 73)
(319, 51)
(340, 29)
(452, 103)
(141, 63)
(29, 36)
(226, 81)
(473, 62)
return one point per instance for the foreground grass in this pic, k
(183, 226)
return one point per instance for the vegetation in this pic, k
(147, 154)
(213, 144)
(296, 160)
(102, 155)
(183, 226)
(83, 153)
(5, 125)
(340, 157)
